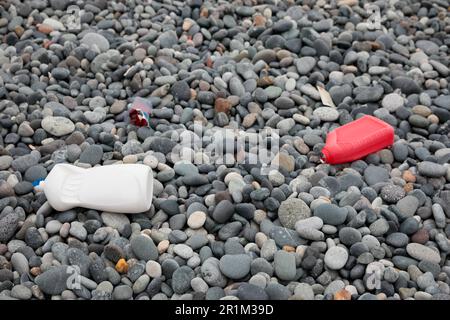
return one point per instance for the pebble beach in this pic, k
(377, 228)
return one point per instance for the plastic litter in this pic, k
(139, 112)
(357, 139)
(124, 188)
(325, 97)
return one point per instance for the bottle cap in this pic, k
(38, 184)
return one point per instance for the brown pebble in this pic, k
(288, 248)
(433, 118)
(342, 295)
(259, 21)
(283, 54)
(408, 187)
(301, 146)
(421, 110)
(72, 61)
(222, 195)
(408, 176)
(222, 105)
(362, 46)
(265, 81)
(204, 13)
(19, 30)
(285, 161)
(45, 28)
(35, 271)
(421, 236)
(375, 45)
(187, 24)
(249, 120)
(193, 94)
(209, 62)
(122, 266)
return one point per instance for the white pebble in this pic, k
(153, 269)
(53, 226)
(196, 220)
(290, 85)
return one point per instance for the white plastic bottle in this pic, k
(124, 188)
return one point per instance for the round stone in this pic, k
(181, 90)
(379, 227)
(21, 292)
(35, 173)
(290, 84)
(235, 266)
(5, 162)
(305, 65)
(392, 102)
(349, 236)
(291, 211)
(392, 193)
(122, 292)
(397, 239)
(336, 257)
(60, 73)
(153, 269)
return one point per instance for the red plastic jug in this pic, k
(357, 139)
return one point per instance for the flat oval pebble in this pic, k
(196, 220)
(235, 266)
(326, 114)
(291, 211)
(57, 126)
(183, 251)
(421, 252)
